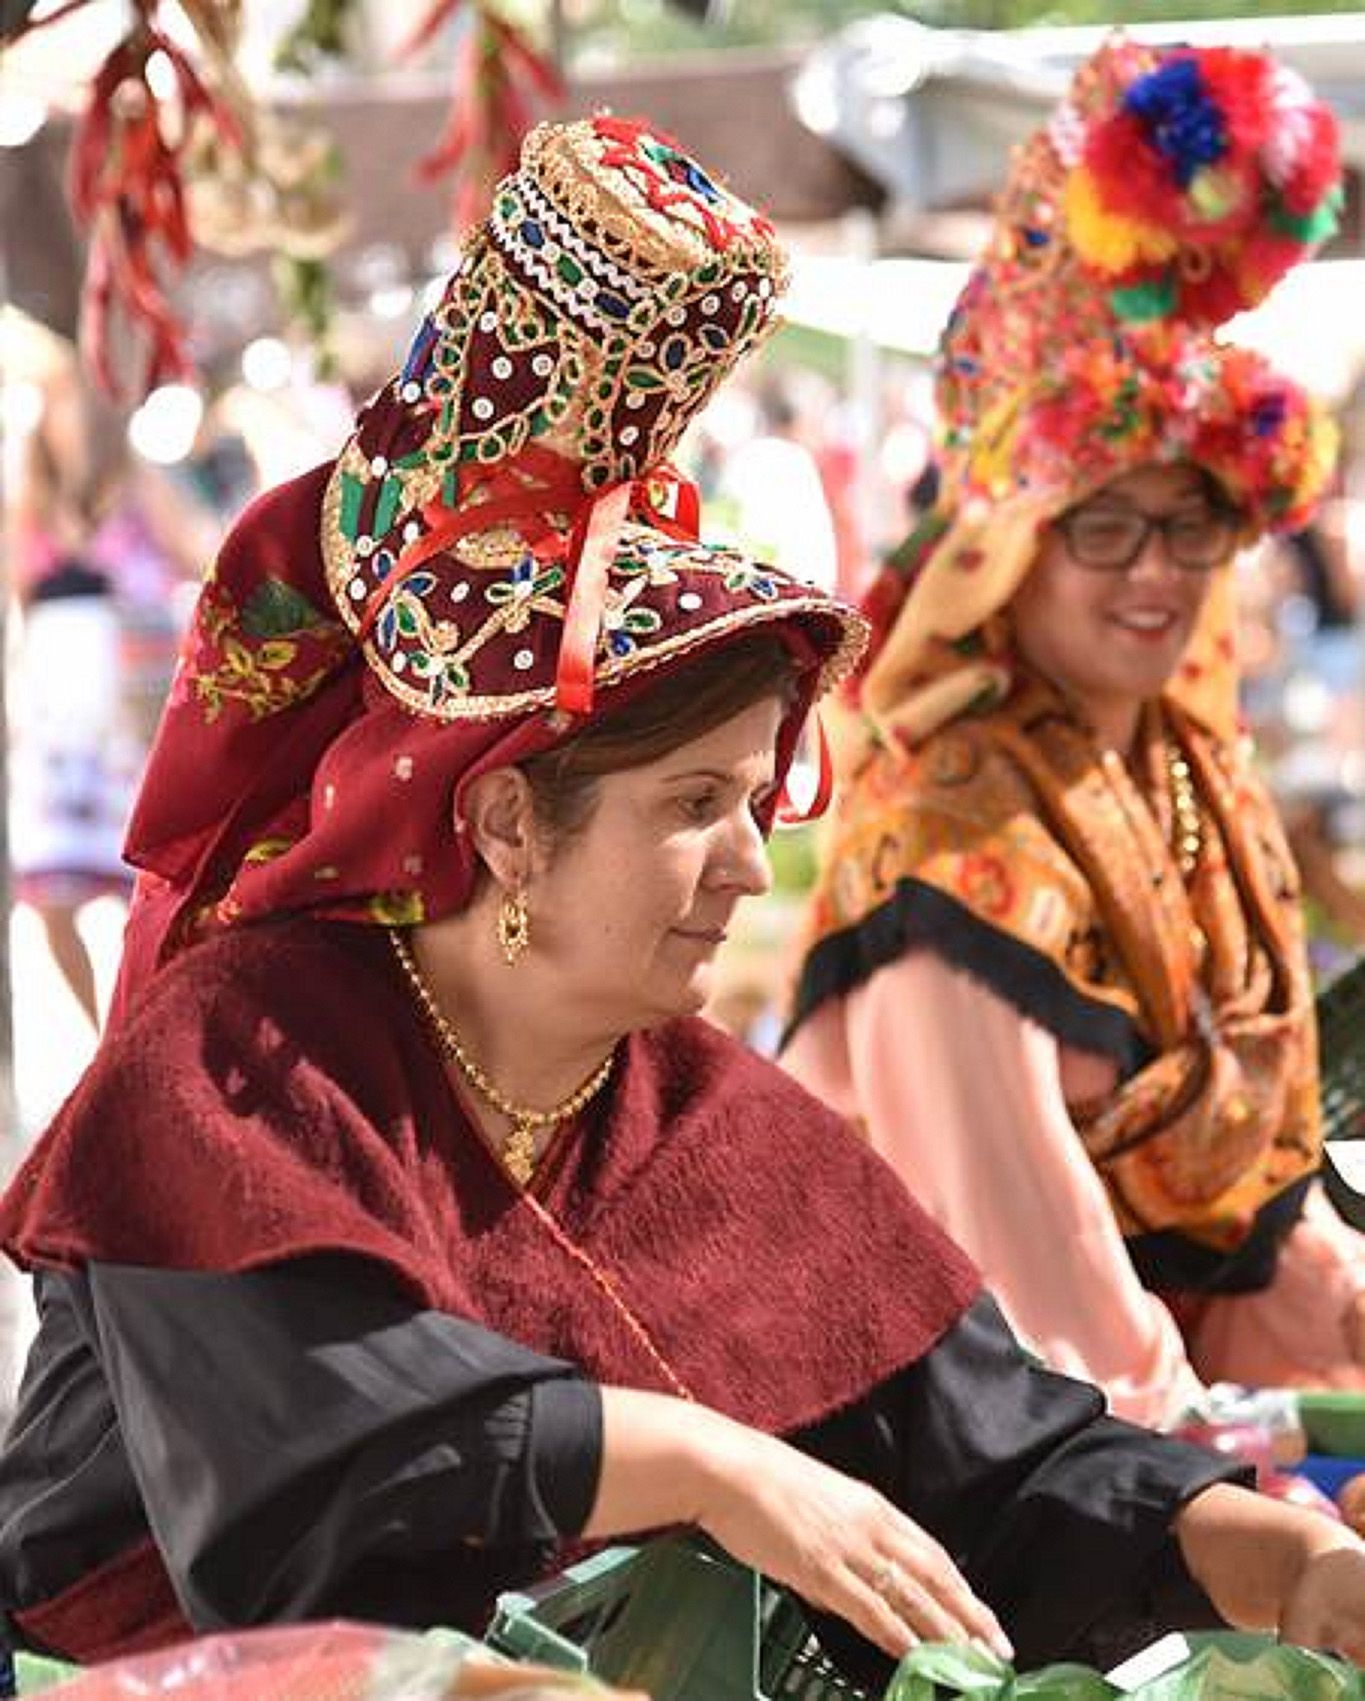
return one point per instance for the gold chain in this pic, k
(520, 1163)
(518, 1153)
(1187, 828)
(614, 1297)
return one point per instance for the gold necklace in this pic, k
(1187, 827)
(518, 1152)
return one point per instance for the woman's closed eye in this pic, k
(702, 806)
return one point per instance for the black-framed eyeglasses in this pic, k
(1110, 538)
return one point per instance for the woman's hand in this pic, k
(1267, 1565)
(840, 1545)
(1325, 1607)
(835, 1541)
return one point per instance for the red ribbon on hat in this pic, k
(788, 812)
(536, 491)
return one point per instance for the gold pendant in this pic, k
(519, 1153)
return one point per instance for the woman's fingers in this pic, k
(930, 1594)
(845, 1548)
(936, 1613)
(898, 1605)
(1326, 1604)
(871, 1614)
(940, 1597)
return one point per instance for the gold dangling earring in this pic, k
(514, 926)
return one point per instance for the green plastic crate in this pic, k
(33, 1673)
(1341, 1051)
(677, 1619)
(1334, 1422)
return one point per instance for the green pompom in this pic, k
(1310, 228)
(1141, 303)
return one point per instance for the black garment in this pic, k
(304, 1443)
(1057, 1514)
(917, 915)
(1167, 1261)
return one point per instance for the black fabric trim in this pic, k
(1171, 1262)
(919, 914)
(566, 1449)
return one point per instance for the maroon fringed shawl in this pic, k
(278, 1095)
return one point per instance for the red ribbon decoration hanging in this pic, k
(789, 814)
(536, 492)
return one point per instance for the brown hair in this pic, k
(689, 702)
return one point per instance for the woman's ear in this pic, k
(498, 814)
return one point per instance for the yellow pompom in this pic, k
(1324, 444)
(1214, 194)
(1105, 240)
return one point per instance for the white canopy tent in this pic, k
(1313, 325)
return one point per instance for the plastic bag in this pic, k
(1221, 1668)
(334, 1661)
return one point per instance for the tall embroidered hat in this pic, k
(500, 550)
(1170, 190)
(611, 289)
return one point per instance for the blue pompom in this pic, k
(1182, 120)
(1268, 414)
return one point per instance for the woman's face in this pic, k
(1112, 636)
(628, 913)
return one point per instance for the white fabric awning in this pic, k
(1312, 325)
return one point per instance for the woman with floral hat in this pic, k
(409, 1227)
(1055, 962)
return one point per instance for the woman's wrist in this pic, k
(1248, 1552)
(664, 1461)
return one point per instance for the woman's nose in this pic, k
(744, 862)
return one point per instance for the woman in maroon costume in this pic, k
(410, 1227)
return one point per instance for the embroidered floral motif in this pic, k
(397, 909)
(622, 624)
(647, 560)
(260, 670)
(526, 591)
(752, 576)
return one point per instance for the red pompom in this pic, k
(1134, 180)
(1213, 299)
(1267, 257)
(1241, 86)
(1318, 166)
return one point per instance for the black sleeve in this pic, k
(1059, 1515)
(302, 1425)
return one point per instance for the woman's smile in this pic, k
(1147, 623)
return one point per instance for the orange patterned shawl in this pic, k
(1008, 843)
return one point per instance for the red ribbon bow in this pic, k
(538, 491)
